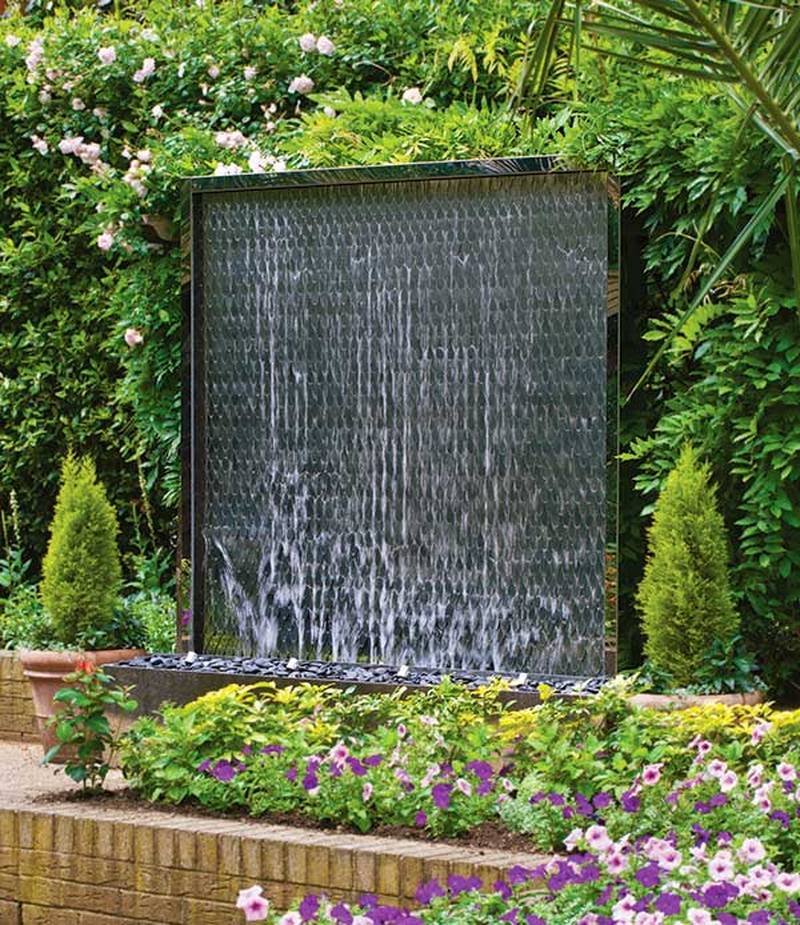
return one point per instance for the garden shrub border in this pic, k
(129, 867)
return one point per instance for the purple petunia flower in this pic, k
(534, 920)
(649, 875)
(602, 800)
(503, 889)
(309, 907)
(441, 795)
(606, 896)
(520, 874)
(223, 771)
(537, 797)
(481, 769)
(583, 806)
(272, 750)
(421, 819)
(291, 774)
(368, 900)
(759, 917)
(372, 761)
(484, 787)
(341, 914)
(780, 816)
(510, 916)
(668, 904)
(555, 799)
(356, 766)
(426, 892)
(310, 782)
(630, 802)
(702, 807)
(247, 750)
(726, 918)
(204, 767)
(701, 836)
(458, 884)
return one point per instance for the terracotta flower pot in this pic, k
(681, 701)
(46, 672)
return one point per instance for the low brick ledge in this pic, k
(80, 864)
(17, 718)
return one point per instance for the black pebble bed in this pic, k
(342, 672)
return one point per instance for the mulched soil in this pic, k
(487, 836)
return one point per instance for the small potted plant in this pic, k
(80, 588)
(690, 622)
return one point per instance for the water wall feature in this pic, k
(399, 416)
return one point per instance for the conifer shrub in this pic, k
(685, 598)
(81, 573)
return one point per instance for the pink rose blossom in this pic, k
(412, 95)
(133, 337)
(308, 41)
(250, 72)
(146, 70)
(302, 84)
(213, 71)
(107, 54)
(77, 104)
(12, 40)
(105, 241)
(40, 144)
(325, 46)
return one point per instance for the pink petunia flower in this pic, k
(728, 781)
(786, 771)
(651, 775)
(597, 838)
(105, 241)
(751, 851)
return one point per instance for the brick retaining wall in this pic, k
(74, 864)
(17, 719)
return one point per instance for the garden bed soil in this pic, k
(488, 835)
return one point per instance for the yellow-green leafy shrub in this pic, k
(81, 572)
(685, 597)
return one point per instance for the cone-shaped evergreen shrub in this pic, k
(81, 572)
(685, 598)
